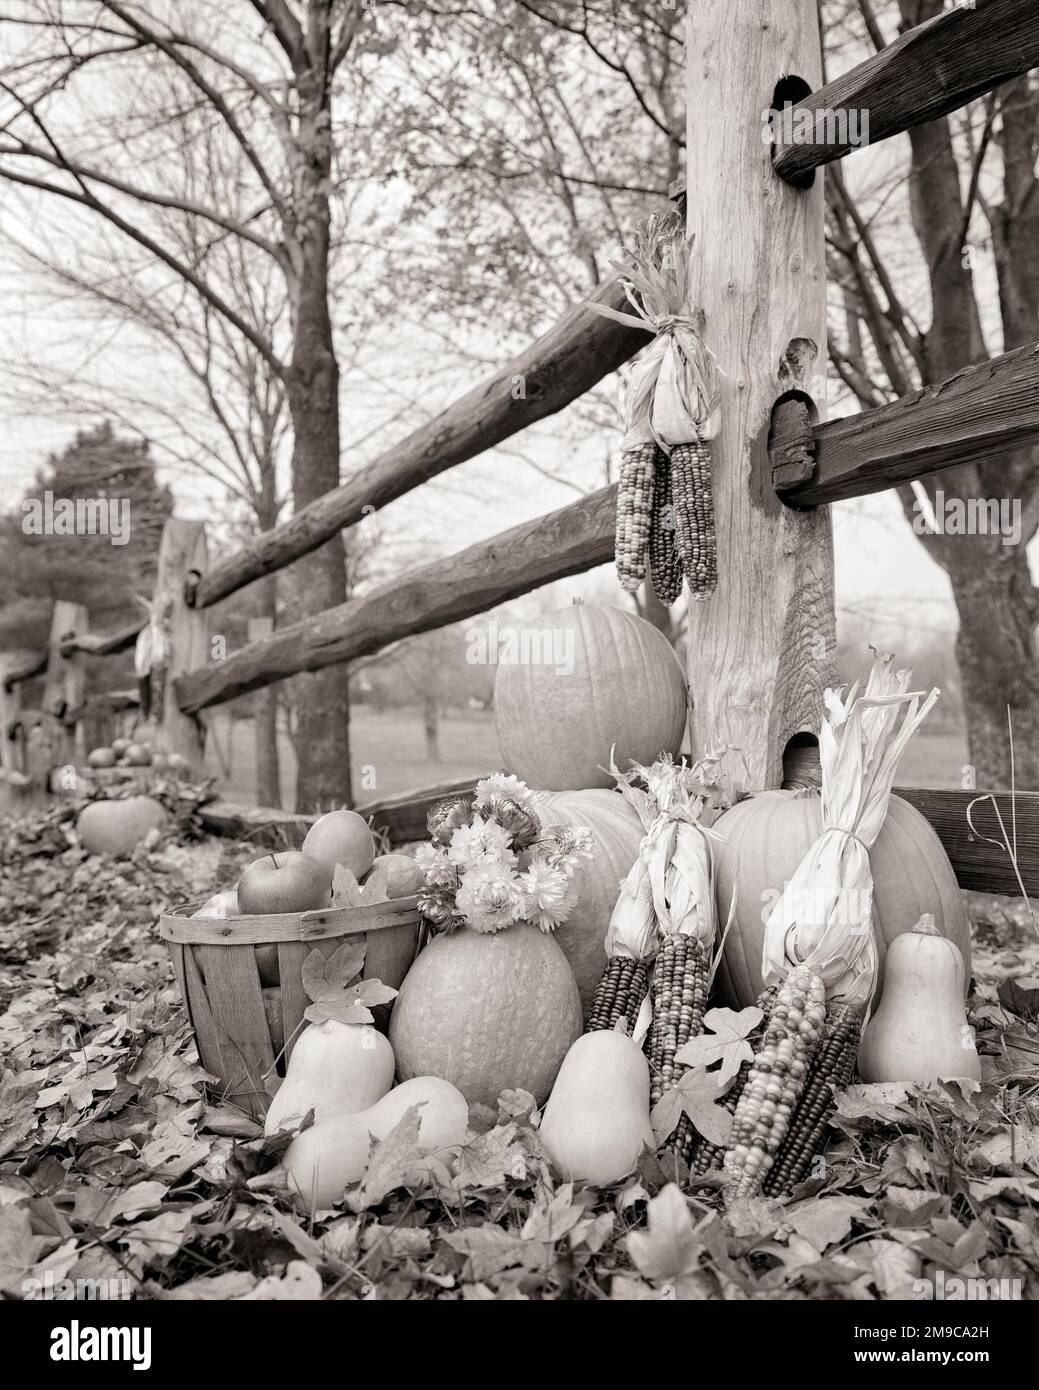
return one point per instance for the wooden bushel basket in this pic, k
(216, 968)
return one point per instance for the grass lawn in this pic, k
(389, 755)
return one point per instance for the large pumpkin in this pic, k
(618, 833)
(599, 678)
(487, 1011)
(768, 835)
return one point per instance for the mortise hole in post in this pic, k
(801, 769)
(788, 92)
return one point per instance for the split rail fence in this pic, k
(985, 411)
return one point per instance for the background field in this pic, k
(389, 755)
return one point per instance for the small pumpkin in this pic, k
(606, 678)
(487, 1011)
(764, 838)
(596, 1122)
(617, 833)
(920, 1032)
(335, 1069)
(328, 1156)
(116, 827)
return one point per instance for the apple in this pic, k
(403, 877)
(119, 746)
(341, 837)
(137, 755)
(101, 757)
(177, 764)
(220, 905)
(285, 882)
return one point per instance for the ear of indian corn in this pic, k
(634, 512)
(832, 1067)
(707, 1156)
(619, 994)
(665, 563)
(777, 1078)
(693, 495)
(680, 984)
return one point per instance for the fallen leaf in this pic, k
(727, 1041)
(669, 1248)
(299, 1282)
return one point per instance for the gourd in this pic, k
(603, 678)
(920, 1033)
(335, 1069)
(764, 838)
(596, 1122)
(324, 1159)
(617, 832)
(488, 1011)
(118, 826)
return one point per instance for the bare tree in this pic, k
(256, 80)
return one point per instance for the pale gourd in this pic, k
(335, 1069)
(596, 1122)
(328, 1157)
(920, 1033)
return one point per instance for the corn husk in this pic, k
(673, 393)
(824, 917)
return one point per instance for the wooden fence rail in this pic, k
(929, 71)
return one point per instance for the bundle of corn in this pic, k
(777, 1079)
(666, 914)
(832, 1068)
(670, 418)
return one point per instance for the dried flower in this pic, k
(521, 822)
(504, 785)
(482, 842)
(548, 895)
(490, 897)
(446, 816)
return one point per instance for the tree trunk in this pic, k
(312, 387)
(430, 725)
(996, 653)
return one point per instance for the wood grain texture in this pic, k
(564, 363)
(761, 648)
(181, 552)
(65, 686)
(105, 643)
(930, 70)
(262, 824)
(969, 827)
(288, 926)
(983, 412)
(563, 543)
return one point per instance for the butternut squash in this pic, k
(919, 1032)
(335, 1069)
(329, 1156)
(596, 1122)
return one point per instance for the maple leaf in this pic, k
(726, 1043)
(696, 1094)
(550, 1221)
(488, 1160)
(323, 976)
(669, 1249)
(346, 891)
(353, 1005)
(328, 985)
(396, 1161)
(487, 1250)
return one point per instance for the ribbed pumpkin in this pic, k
(627, 688)
(487, 1011)
(618, 833)
(768, 835)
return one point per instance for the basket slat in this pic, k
(291, 955)
(233, 989)
(307, 926)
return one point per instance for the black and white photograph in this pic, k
(519, 670)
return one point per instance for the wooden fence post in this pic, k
(65, 685)
(10, 707)
(760, 651)
(182, 635)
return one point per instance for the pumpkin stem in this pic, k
(926, 926)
